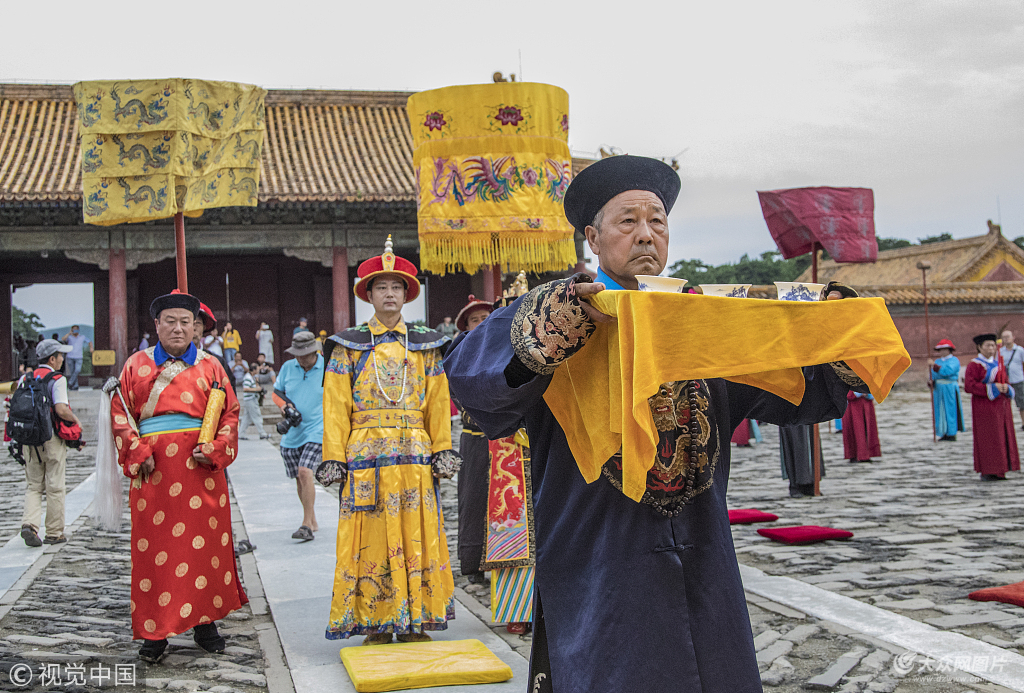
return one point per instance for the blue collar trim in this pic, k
(609, 283)
(160, 356)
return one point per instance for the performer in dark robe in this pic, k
(797, 453)
(860, 430)
(995, 442)
(629, 596)
(476, 467)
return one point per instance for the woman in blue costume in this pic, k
(945, 374)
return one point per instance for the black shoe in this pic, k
(207, 637)
(478, 579)
(992, 477)
(152, 650)
(29, 535)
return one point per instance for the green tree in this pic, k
(26, 324)
(936, 239)
(1019, 240)
(768, 268)
(892, 243)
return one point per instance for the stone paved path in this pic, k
(74, 612)
(927, 532)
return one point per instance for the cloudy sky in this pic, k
(921, 101)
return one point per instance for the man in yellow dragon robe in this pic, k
(387, 436)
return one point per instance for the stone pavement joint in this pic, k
(834, 673)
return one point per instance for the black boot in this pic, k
(152, 650)
(207, 637)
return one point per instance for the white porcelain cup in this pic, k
(799, 291)
(666, 284)
(729, 290)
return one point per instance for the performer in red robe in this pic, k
(183, 562)
(860, 431)
(995, 442)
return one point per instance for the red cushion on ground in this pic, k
(804, 534)
(745, 516)
(1008, 594)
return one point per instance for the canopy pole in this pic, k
(179, 252)
(924, 266)
(815, 434)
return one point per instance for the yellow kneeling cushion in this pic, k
(401, 666)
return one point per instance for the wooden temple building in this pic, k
(337, 178)
(975, 285)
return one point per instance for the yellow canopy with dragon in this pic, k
(153, 148)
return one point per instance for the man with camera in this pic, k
(47, 435)
(299, 392)
(252, 393)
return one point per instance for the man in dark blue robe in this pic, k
(629, 596)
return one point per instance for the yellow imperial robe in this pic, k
(393, 573)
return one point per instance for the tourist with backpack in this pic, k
(38, 405)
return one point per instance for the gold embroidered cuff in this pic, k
(847, 375)
(550, 325)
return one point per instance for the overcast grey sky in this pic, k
(921, 101)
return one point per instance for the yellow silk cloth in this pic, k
(153, 148)
(599, 395)
(492, 164)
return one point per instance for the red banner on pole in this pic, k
(842, 220)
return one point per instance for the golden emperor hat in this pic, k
(387, 263)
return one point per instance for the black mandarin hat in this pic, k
(175, 300)
(591, 189)
(987, 337)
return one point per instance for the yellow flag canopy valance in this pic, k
(492, 163)
(153, 148)
(600, 395)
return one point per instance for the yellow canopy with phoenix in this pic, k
(492, 163)
(153, 148)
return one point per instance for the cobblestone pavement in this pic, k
(927, 532)
(73, 612)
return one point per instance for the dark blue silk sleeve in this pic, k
(475, 365)
(824, 399)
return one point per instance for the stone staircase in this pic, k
(271, 415)
(85, 403)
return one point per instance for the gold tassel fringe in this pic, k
(459, 252)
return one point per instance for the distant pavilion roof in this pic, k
(987, 258)
(321, 146)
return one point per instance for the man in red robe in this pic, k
(995, 442)
(183, 563)
(860, 431)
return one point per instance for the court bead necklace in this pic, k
(376, 370)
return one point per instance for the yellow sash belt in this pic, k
(599, 395)
(387, 418)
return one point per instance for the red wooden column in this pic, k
(8, 361)
(118, 278)
(492, 283)
(339, 286)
